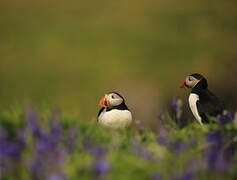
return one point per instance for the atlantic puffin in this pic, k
(114, 113)
(202, 102)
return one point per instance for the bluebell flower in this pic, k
(47, 153)
(226, 117)
(55, 176)
(162, 140)
(162, 136)
(217, 153)
(32, 121)
(87, 143)
(157, 176)
(98, 151)
(36, 165)
(55, 127)
(214, 137)
(141, 151)
(45, 143)
(71, 139)
(175, 105)
(178, 146)
(222, 164)
(187, 175)
(212, 158)
(217, 161)
(213, 151)
(21, 138)
(100, 166)
(10, 149)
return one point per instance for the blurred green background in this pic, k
(67, 54)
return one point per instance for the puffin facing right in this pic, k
(202, 102)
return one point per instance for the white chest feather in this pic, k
(115, 118)
(193, 98)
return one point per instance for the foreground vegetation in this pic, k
(56, 147)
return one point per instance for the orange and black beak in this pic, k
(183, 84)
(102, 102)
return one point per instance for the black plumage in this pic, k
(208, 104)
(122, 106)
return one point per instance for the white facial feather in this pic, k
(191, 82)
(113, 99)
(193, 98)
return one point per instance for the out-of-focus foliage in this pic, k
(53, 146)
(69, 53)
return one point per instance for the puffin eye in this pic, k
(112, 96)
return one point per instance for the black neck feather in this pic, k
(201, 86)
(122, 106)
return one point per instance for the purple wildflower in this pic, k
(187, 175)
(214, 137)
(141, 151)
(216, 160)
(98, 151)
(222, 164)
(162, 137)
(21, 138)
(10, 149)
(226, 117)
(71, 139)
(36, 165)
(45, 143)
(87, 143)
(178, 146)
(212, 152)
(217, 153)
(175, 105)
(55, 176)
(32, 121)
(55, 128)
(48, 154)
(100, 166)
(157, 176)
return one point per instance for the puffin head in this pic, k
(111, 99)
(194, 80)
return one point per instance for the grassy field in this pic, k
(52, 146)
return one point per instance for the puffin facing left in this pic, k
(114, 113)
(202, 102)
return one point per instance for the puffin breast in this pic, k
(115, 118)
